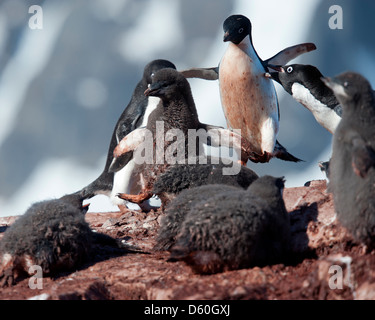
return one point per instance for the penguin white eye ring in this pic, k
(289, 69)
(346, 84)
(240, 30)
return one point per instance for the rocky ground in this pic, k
(326, 263)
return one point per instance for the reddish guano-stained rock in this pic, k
(325, 262)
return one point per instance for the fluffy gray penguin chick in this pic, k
(352, 174)
(179, 207)
(187, 176)
(52, 234)
(235, 229)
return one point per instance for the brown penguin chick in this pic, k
(235, 229)
(153, 150)
(177, 210)
(352, 166)
(53, 235)
(180, 177)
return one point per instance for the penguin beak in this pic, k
(85, 208)
(336, 86)
(275, 75)
(276, 68)
(153, 89)
(226, 36)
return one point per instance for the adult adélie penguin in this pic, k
(304, 83)
(248, 97)
(134, 116)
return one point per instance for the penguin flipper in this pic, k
(130, 142)
(220, 137)
(290, 53)
(281, 153)
(120, 162)
(202, 73)
(208, 126)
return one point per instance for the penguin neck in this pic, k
(246, 45)
(325, 116)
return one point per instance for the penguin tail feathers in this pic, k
(281, 153)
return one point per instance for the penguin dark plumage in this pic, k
(248, 98)
(235, 229)
(52, 234)
(177, 113)
(177, 210)
(304, 84)
(352, 166)
(180, 177)
(134, 116)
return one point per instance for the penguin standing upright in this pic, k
(248, 97)
(134, 116)
(352, 166)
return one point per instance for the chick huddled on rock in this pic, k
(215, 228)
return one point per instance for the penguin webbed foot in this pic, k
(135, 198)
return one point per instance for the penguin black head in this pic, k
(268, 187)
(236, 28)
(155, 65)
(351, 89)
(306, 75)
(76, 200)
(165, 83)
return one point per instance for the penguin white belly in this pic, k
(324, 115)
(248, 98)
(153, 102)
(124, 180)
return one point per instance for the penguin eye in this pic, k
(152, 75)
(240, 30)
(346, 84)
(289, 69)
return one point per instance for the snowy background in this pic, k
(62, 88)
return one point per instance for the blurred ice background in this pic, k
(62, 88)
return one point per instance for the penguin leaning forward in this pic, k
(352, 166)
(177, 115)
(248, 97)
(134, 116)
(304, 83)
